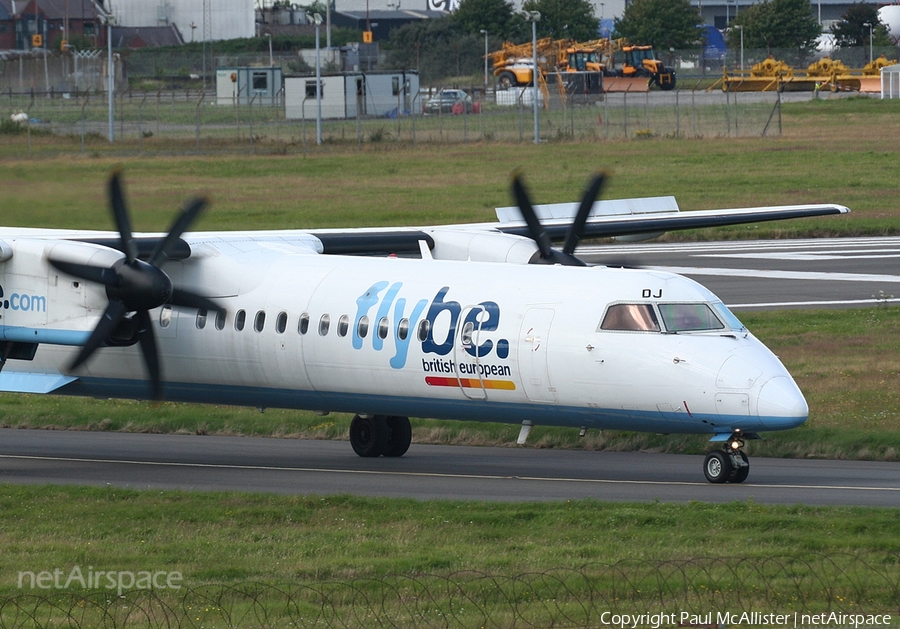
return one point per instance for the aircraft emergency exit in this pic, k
(483, 322)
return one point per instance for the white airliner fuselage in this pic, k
(465, 329)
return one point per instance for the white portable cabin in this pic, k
(346, 95)
(241, 85)
(890, 81)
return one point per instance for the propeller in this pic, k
(135, 286)
(546, 253)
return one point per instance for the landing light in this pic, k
(735, 444)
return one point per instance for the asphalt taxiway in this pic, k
(768, 274)
(290, 466)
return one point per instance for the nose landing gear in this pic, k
(730, 465)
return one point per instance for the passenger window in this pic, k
(220, 319)
(403, 329)
(281, 322)
(260, 321)
(324, 324)
(362, 328)
(303, 324)
(240, 317)
(201, 318)
(689, 317)
(343, 325)
(631, 318)
(424, 328)
(383, 327)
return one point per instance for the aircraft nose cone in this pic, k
(781, 405)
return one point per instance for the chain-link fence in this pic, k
(810, 591)
(191, 120)
(169, 102)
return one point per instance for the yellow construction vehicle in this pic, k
(641, 62)
(514, 64)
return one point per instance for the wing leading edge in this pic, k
(641, 217)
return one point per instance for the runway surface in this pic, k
(289, 466)
(759, 275)
(767, 274)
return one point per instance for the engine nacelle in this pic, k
(482, 247)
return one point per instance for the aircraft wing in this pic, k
(639, 218)
(652, 216)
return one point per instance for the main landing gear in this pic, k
(380, 435)
(730, 465)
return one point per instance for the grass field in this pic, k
(847, 363)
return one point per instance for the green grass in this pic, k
(228, 539)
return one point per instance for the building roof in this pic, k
(58, 9)
(144, 36)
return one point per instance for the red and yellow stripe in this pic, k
(470, 383)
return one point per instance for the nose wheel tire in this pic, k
(721, 467)
(717, 467)
(739, 475)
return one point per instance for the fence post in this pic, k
(83, 105)
(250, 119)
(727, 114)
(413, 112)
(677, 119)
(141, 124)
(198, 108)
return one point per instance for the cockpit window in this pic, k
(630, 317)
(728, 317)
(689, 317)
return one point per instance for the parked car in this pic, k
(449, 101)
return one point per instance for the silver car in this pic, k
(445, 101)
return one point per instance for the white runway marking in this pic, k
(803, 256)
(779, 275)
(438, 475)
(823, 304)
(829, 245)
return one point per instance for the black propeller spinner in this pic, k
(537, 232)
(135, 286)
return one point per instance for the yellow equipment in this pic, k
(513, 63)
(825, 74)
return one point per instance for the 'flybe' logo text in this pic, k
(471, 322)
(24, 302)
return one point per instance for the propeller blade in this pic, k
(147, 339)
(101, 275)
(573, 234)
(187, 299)
(188, 215)
(538, 233)
(120, 213)
(108, 322)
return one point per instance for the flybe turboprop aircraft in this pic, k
(478, 322)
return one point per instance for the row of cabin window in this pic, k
(343, 324)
